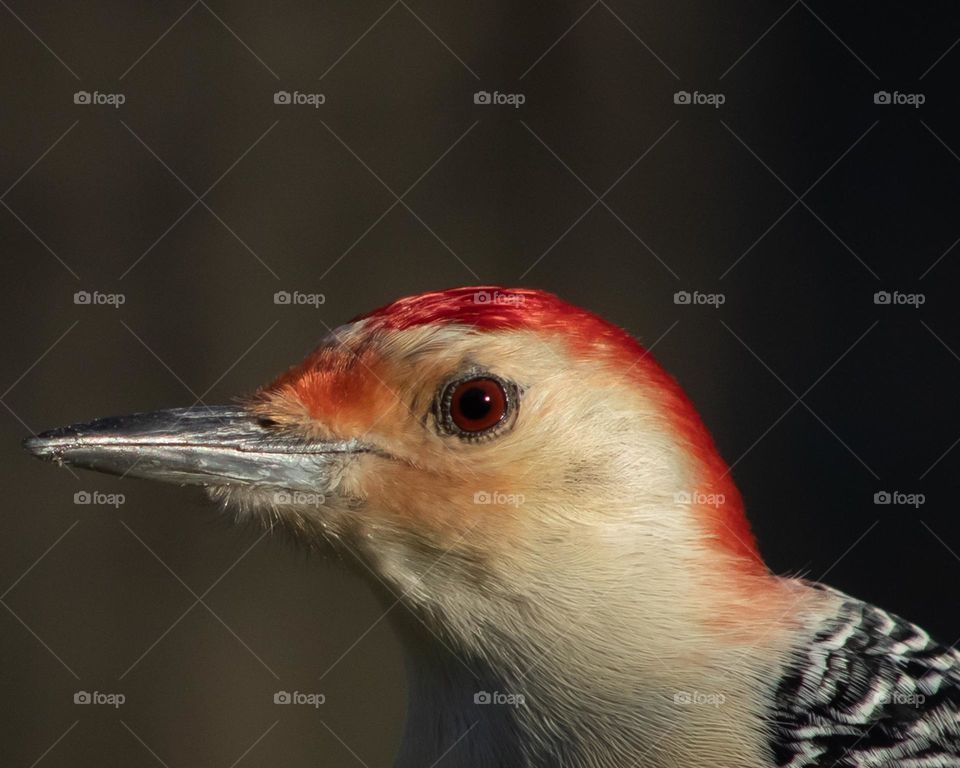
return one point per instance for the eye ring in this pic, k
(476, 405)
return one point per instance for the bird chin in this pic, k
(313, 518)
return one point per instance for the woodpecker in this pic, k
(581, 583)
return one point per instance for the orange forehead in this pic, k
(343, 391)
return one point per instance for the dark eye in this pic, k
(475, 405)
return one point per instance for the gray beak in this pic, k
(222, 445)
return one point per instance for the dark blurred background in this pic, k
(793, 202)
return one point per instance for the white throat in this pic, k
(596, 691)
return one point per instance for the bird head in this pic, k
(515, 469)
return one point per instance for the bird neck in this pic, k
(593, 689)
(457, 710)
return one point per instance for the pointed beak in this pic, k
(223, 445)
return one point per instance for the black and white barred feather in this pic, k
(871, 691)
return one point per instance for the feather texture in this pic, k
(870, 691)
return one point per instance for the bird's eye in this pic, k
(474, 406)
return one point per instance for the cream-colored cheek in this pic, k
(442, 507)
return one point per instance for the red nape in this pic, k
(498, 308)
